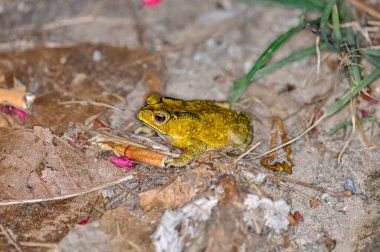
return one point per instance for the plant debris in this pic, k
(276, 160)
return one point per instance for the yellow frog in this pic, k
(196, 125)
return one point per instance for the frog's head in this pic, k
(155, 114)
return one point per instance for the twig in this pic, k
(100, 187)
(371, 10)
(374, 23)
(103, 137)
(292, 140)
(362, 132)
(39, 244)
(353, 119)
(318, 56)
(10, 237)
(304, 184)
(302, 194)
(86, 19)
(100, 104)
(248, 151)
(311, 186)
(371, 148)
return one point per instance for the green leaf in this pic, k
(323, 27)
(300, 4)
(291, 58)
(336, 23)
(373, 60)
(338, 104)
(240, 85)
(373, 52)
(344, 124)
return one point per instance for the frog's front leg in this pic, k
(195, 149)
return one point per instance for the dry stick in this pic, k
(353, 120)
(362, 132)
(314, 187)
(371, 10)
(371, 148)
(39, 244)
(248, 151)
(86, 19)
(302, 194)
(305, 184)
(100, 187)
(370, 96)
(103, 137)
(373, 22)
(83, 103)
(292, 140)
(10, 238)
(318, 56)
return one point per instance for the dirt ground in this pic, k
(91, 64)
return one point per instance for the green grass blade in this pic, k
(373, 60)
(300, 4)
(336, 23)
(240, 85)
(354, 71)
(373, 52)
(343, 100)
(292, 57)
(323, 25)
(344, 124)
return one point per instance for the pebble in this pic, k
(349, 186)
(96, 56)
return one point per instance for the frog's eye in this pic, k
(159, 118)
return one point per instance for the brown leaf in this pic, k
(177, 193)
(38, 164)
(173, 195)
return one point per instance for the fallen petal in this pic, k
(84, 221)
(150, 3)
(122, 162)
(20, 113)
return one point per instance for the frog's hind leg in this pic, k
(240, 135)
(196, 148)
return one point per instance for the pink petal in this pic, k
(150, 3)
(364, 113)
(20, 114)
(84, 221)
(122, 162)
(10, 110)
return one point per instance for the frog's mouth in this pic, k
(163, 136)
(155, 129)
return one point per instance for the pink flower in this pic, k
(150, 3)
(122, 162)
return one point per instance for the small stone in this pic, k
(349, 186)
(108, 193)
(96, 56)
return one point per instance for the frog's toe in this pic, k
(169, 163)
(174, 162)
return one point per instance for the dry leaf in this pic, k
(38, 164)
